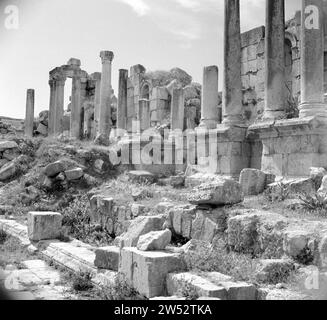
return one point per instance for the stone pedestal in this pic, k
(209, 107)
(275, 60)
(312, 60)
(29, 117)
(291, 147)
(122, 100)
(177, 110)
(232, 89)
(105, 94)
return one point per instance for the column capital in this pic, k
(106, 56)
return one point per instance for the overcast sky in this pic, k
(160, 34)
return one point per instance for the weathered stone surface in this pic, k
(323, 187)
(180, 220)
(255, 231)
(155, 240)
(293, 187)
(3, 162)
(107, 258)
(202, 286)
(197, 179)
(284, 295)
(141, 176)
(74, 174)
(5, 145)
(274, 271)
(296, 242)
(44, 225)
(147, 271)
(163, 207)
(53, 169)
(253, 181)
(139, 227)
(240, 290)
(220, 192)
(8, 171)
(137, 209)
(42, 129)
(317, 174)
(10, 154)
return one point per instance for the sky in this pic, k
(159, 34)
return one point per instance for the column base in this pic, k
(208, 124)
(233, 120)
(313, 109)
(273, 115)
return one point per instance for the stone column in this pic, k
(232, 88)
(144, 114)
(177, 109)
(29, 117)
(312, 60)
(105, 94)
(76, 109)
(209, 106)
(275, 60)
(97, 78)
(52, 106)
(122, 100)
(59, 107)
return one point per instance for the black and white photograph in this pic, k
(163, 156)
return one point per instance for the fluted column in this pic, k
(275, 60)
(52, 106)
(232, 88)
(105, 94)
(122, 100)
(209, 104)
(312, 60)
(29, 117)
(76, 109)
(97, 77)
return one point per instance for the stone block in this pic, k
(8, 171)
(155, 240)
(141, 176)
(296, 242)
(147, 271)
(44, 225)
(53, 169)
(74, 174)
(5, 145)
(317, 175)
(221, 192)
(240, 291)
(139, 227)
(202, 286)
(252, 181)
(107, 258)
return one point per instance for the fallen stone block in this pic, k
(107, 258)
(323, 187)
(274, 271)
(141, 176)
(180, 283)
(146, 271)
(42, 129)
(137, 210)
(197, 179)
(180, 220)
(74, 174)
(218, 193)
(139, 227)
(53, 169)
(163, 207)
(44, 225)
(252, 181)
(240, 291)
(5, 145)
(155, 240)
(8, 171)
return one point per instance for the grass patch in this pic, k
(82, 281)
(314, 203)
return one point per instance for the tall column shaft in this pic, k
(312, 60)
(275, 60)
(177, 109)
(105, 94)
(52, 106)
(76, 109)
(122, 100)
(144, 114)
(59, 108)
(209, 106)
(232, 88)
(29, 117)
(97, 77)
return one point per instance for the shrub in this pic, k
(3, 236)
(314, 202)
(82, 281)
(187, 291)
(279, 193)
